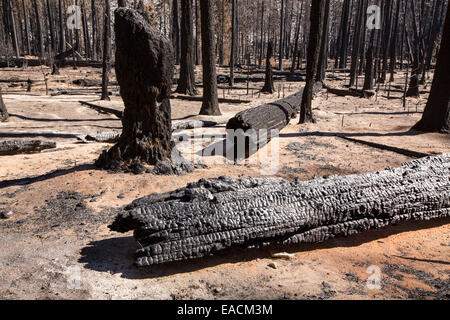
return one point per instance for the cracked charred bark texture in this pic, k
(210, 104)
(3, 112)
(216, 214)
(436, 116)
(145, 77)
(186, 83)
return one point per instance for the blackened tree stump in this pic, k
(144, 67)
(3, 112)
(216, 214)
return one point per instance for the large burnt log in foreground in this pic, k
(215, 214)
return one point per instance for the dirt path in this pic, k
(57, 245)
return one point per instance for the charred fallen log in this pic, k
(12, 147)
(216, 214)
(275, 115)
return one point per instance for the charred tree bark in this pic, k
(3, 112)
(268, 83)
(233, 42)
(176, 31)
(323, 54)
(27, 29)
(280, 62)
(317, 16)
(210, 104)
(368, 76)
(436, 116)
(94, 29)
(145, 77)
(186, 83)
(106, 69)
(216, 214)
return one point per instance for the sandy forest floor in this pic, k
(56, 244)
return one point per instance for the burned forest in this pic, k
(224, 150)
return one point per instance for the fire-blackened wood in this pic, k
(216, 214)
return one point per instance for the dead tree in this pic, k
(280, 62)
(176, 31)
(186, 83)
(233, 42)
(3, 112)
(436, 116)
(106, 69)
(215, 214)
(145, 78)
(268, 82)
(210, 104)
(317, 16)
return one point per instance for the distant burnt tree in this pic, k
(186, 83)
(268, 84)
(436, 116)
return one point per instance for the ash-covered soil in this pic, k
(55, 206)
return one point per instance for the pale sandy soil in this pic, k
(52, 238)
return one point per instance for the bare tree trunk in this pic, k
(27, 30)
(176, 31)
(317, 17)
(297, 36)
(280, 66)
(233, 41)
(268, 84)
(94, 30)
(186, 83)
(436, 116)
(210, 104)
(106, 51)
(39, 29)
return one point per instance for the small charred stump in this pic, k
(215, 214)
(144, 67)
(3, 112)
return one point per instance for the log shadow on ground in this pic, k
(117, 254)
(47, 176)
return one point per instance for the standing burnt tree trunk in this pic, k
(144, 67)
(436, 116)
(106, 51)
(268, 84)
(280, 62)
(94, 29)
(176, 31)
(186, 83)
(3, 112)
(39, 29)
(210, 104)
(317, 17)
(233, 41)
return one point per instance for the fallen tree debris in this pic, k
(215, 214)
(221, 100)
(12, 147)
(113, 136)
